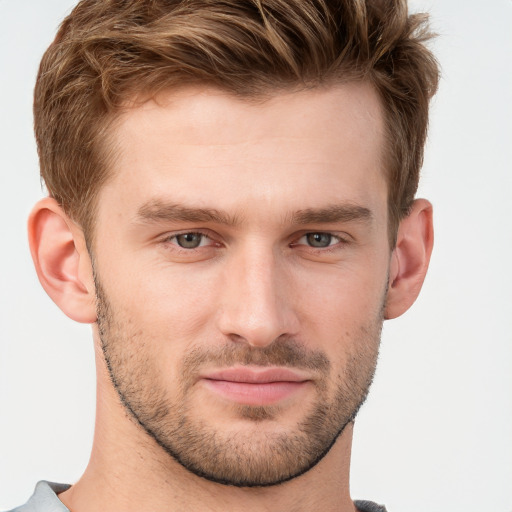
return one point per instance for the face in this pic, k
(241, 260)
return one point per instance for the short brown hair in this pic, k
(108, 51)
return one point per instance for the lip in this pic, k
(255, 386)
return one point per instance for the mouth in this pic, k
(255, 386)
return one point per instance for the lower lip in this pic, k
(265, 393)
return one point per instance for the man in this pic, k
(231, 206)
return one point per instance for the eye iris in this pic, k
(319, 239)
(189, 240)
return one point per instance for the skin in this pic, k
(254, 282)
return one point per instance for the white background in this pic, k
(436, 433)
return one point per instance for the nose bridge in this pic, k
(255, 302)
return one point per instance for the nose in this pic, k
(256, 302)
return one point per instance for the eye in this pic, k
(319, 240)
(189, 240)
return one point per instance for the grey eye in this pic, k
(319, 239)
(189, 240)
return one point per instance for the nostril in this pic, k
(236, 338)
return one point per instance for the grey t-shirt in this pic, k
(45, 499)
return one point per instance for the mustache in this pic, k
(284, 351)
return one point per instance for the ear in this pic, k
(410, 259)
(62, 261)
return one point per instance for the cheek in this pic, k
(154, 324)
(177, 304)
(341, 314)
(166, 304)
(345, 295)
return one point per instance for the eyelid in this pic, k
(341, 239)
(169, 238)
(176, 235)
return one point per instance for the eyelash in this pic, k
(172, 239)
(331, 246)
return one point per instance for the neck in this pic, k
(128, 471)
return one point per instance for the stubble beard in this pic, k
(241, 459)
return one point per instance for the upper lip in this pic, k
(256, 375)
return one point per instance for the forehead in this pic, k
(209, 148)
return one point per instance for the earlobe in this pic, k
(410, 259)
(58, 250)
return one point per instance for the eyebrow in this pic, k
(332, 214)
(159, 211)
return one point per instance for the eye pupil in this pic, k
(319, 239)
(189, 240)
